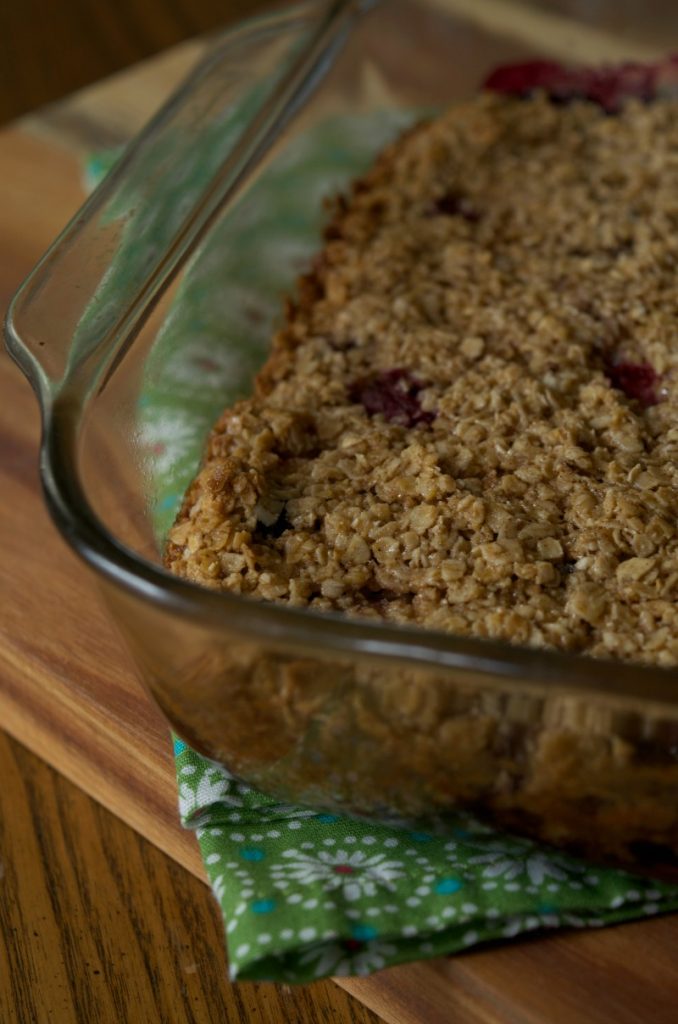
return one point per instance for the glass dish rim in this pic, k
(279, 625)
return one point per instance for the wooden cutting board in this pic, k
(69, 692)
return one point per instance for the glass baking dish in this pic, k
(153, 310)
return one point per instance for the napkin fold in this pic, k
(306, 895)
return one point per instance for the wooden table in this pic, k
(97, 924)
(50, 49)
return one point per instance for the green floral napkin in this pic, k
(305, 894)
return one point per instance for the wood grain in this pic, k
(626, 975)
(98, 927)
(48, 49)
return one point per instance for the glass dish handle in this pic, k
(84, 302)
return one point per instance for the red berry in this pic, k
(394, 394)
(522, 79)
(607, 86)
(637, 380)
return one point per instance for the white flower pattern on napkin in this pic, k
(356, 873)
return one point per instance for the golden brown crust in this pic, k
(445, 433)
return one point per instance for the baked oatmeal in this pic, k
(468, 421)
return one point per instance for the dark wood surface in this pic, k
(97, 926)
(50, 48)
